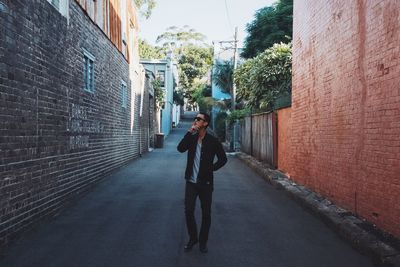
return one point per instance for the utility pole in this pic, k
(235, 59)
(233, 100)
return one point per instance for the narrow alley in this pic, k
(95, 96)
(135, 218)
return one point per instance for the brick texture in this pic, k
(284, 137)
(345, 137)
(57, 140)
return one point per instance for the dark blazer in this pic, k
(210, 148)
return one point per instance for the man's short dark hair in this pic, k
(206, 117)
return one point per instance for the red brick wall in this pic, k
(284, 135)
(346, 105)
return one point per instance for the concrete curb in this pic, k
(345, 223)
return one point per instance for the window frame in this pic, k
(55, 3)
(88, 71)
(61, 6)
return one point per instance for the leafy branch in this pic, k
(262, 79)
(158, 92)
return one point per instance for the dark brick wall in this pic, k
(345, 137)
(144, 121)
(56, 140)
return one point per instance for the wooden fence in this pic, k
(259, 137)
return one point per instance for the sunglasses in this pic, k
(199, 119)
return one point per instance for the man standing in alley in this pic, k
(202, 149)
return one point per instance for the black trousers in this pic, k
(204, 192)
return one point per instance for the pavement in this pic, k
(135, 217)
(380, 246)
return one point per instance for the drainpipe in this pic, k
(142, 77)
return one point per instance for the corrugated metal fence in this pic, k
(259, 137)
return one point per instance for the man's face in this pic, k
(199, 121)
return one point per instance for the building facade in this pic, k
(344, 130)
(72, 102)
(153, 118)
(166, 71)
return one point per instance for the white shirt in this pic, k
(196, 164)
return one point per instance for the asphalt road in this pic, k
(135, 217)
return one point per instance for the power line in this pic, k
(227, 15)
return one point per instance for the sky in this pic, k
(216, 19)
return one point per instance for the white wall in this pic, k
(170, 113)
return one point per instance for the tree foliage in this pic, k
(223, 76)
(194, 62)
(237, 114)
(259, 81)
(200, 95)
(178, 97)
(220, 127)
(194, 57)
(159, 94)
(272, 24)
(145, 7)
(176, 37)
(148, 51)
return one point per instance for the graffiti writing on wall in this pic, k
(80, 125)
(78, 141)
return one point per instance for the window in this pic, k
(55, 3)
(161, 77)
(62, 6)
(88, 71)
(124, 94)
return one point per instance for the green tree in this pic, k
(194, 62)
(145, 7)
(148, 51)
(194, 57)
(176, 37)
(200, 95)
(179, 97)
(242, 79)
(223, 76)
(220, 126)
(261, 80)
(237, 114)
(272, 24)
(159, 94)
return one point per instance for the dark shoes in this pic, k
(190, 245)
(203, 248)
